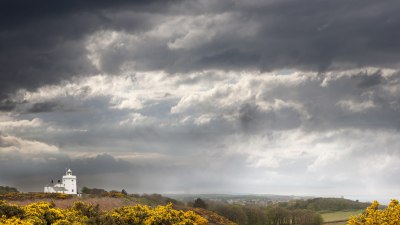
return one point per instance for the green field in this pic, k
(337, 216)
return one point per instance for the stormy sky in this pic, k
(202, 96)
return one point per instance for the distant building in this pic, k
(67, 185)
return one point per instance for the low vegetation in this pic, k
(374, 215)
(17, 196)
(144, 199)
(43, 213)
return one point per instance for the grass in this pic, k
(337, 216)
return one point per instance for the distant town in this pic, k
(241, 199)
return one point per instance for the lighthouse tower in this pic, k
(69, 182)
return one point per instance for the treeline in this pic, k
(261, 215)
(42, 213)
(97, 192)
(324, 204)
(7, 189)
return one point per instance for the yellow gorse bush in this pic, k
(140, 214)
(43, 213)
(375, 216)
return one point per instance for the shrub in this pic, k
(373, 215)
(9, 210)
(43, 213)
(199, 203)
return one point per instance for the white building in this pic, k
(67, 185)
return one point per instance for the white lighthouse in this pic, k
(69, 182)
(68, 185)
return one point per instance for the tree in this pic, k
(94, 191)
(199, 203)
(85, 190)
(7, 189)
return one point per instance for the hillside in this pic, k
(102, 207)
(303, 211)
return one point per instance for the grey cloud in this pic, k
(307, 105)
(253, 119)
(7, 104)
(103, 163)
(62, 106)
(370, 80)
(4, 143)
(17, 13)
(44, 107)
(211, 137)
(306, 35)
(34, 56)
(44, 43)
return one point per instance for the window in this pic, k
(72, 190)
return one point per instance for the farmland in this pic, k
(342, 216)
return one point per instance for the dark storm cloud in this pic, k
(19, 12)
(198, 111)
(42, 42)
(103, 163)
(316, 34)
(7, 104)
(371, 80)
(268, 35)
